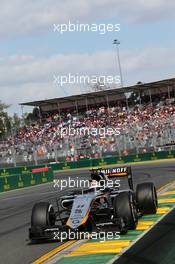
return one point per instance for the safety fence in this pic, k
(113, 160)
(25, 170)
(25, 176)
(131, 141)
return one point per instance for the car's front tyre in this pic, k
(42, 215)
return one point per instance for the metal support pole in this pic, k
(86, 104)
(169, 96)
(59, 111)
(140, 100)
(22, 113)
(150, 97)
(76, 105)
(40, 115)
(107, 100)
(117, 43)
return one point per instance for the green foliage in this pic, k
(10, 124)
(32, 117)
(7, 123)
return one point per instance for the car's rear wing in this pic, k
(117, 171)
(124, 171)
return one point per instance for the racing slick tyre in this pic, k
(146, 198)
(42, 215)
(125, 207)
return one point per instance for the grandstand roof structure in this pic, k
(91, 98)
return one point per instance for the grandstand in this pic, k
(146, 91)
(144, 121)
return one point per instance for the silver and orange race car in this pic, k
(102, 206)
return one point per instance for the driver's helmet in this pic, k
(95, 176)
(95, 186)
(102, 175)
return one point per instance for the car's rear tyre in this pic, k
(125, 207)
(146, 198)
(42, 215)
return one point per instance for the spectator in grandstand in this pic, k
(142, 128)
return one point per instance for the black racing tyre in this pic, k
(146, 198)
(42, 215)
(125, 207)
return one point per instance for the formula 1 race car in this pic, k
(100, 207)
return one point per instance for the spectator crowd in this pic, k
(139, 129)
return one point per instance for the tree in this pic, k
(16, 121)
(5, 124)
(32, 117)
(3, 106)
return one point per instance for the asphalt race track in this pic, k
(15, 210)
